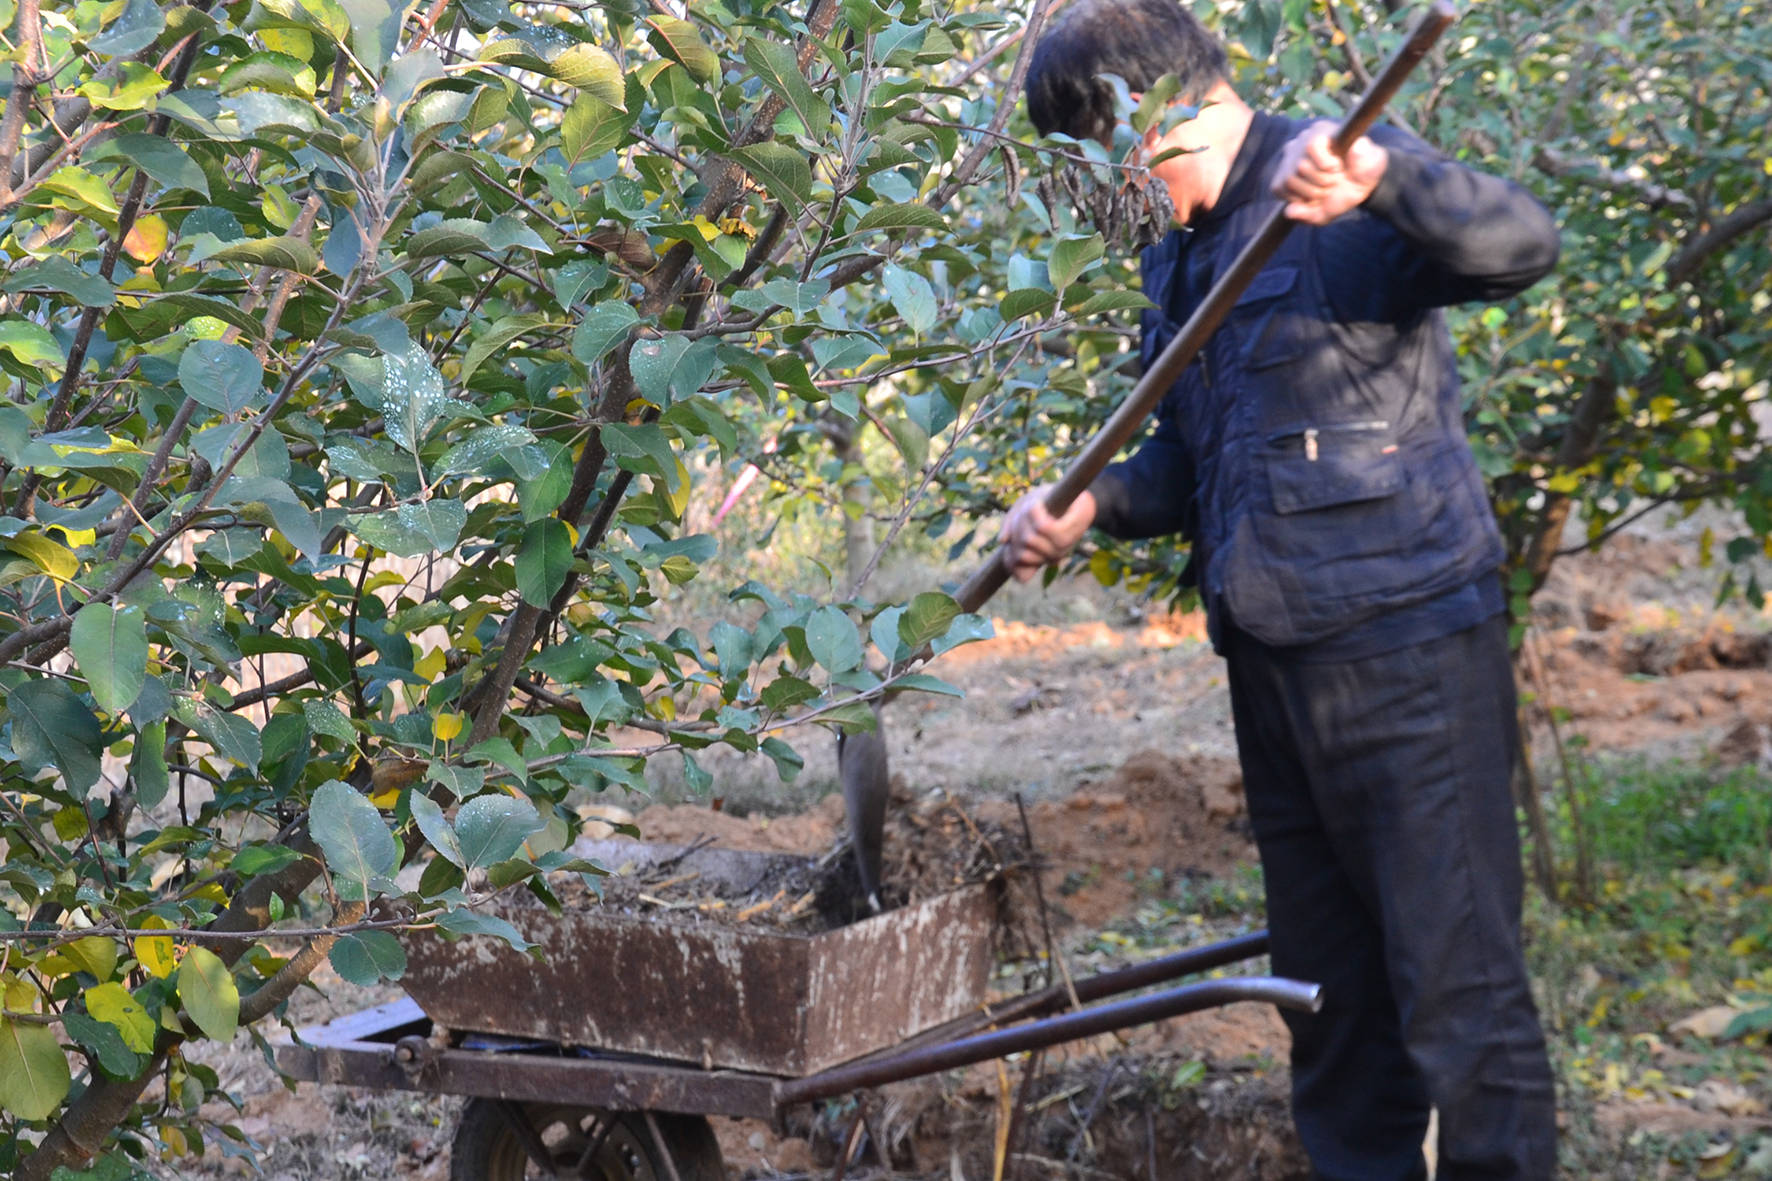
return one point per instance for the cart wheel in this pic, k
(581, 1142)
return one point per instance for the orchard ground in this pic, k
(1112, 723)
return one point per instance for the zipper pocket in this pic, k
(1308, 437)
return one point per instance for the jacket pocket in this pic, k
(1343, 521)
(1262, 314)
(1340, 463)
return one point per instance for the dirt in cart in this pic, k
(933, 846)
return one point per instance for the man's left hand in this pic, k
(1317, 185)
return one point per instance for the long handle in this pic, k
(1126, 421)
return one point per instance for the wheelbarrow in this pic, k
(604, 1059)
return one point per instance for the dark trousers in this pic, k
(1379, 794)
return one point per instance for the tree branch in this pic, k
(28, 39)
(1742, 220)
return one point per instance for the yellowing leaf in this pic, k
(94, 954)
(431, 664)
(446, 727)
(18, 995)
(34, 1076)
(155, 953)
(147, 238)
(116, 1006)
(209, 993)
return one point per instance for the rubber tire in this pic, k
(486, 1148)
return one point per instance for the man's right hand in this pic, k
(1034, 538)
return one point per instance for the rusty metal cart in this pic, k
(604, 1060)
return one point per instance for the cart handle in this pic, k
(1186, 998)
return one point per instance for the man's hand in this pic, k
(1317, 185)
(1034, 538)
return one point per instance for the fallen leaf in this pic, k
(1705, 1023)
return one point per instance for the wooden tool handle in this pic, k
(1131, 414)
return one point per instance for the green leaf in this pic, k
(104, 1044)
(412, 395)
(58, 274)
(643, 448)
(254, 860)
(234, 738)
(924, 683)
(603, 326)
(591, 127)
(491, 828)
(147, 766)
(326, 718)
(366, 958)
(325, 17)
(79, 191)
(1109, 301)
(34, 1076)
(543, 559)
(592, 71)
(926, 617)
(374, 29)
(497, 337)
(438, 520)
(436, 828)
(130, 31)
(276, 72)
(912, 295)
(31, 344)
(111, 644)
(286, 254)
(786, 759)
(353, 836)
(132, 88)
(116, 1005)
(161, 159)
(679, 41)
(210, 996)
(911, 440)
(884, 631)
(964, 630)
(1071, 257)
(833, 638)
(472, 922)
(672, 366)
(784, 693)
(1024, 301)
(775, 64)
(454, 236)
(388, 530)
(221, 376)
(900, 217)
(51, 728)
(480, 448)
(779, 169)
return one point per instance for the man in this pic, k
(1346, 555)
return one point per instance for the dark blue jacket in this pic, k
(1316, 454)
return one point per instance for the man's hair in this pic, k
(1140, 40)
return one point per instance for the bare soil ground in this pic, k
(1117, 737)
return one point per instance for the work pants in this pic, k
(1378, 790)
